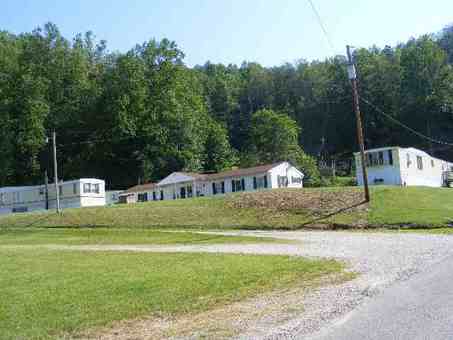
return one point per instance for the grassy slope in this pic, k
(390, 206)
(74, 236)
(45, 294)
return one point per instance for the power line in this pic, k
(321, 24)
(397, 122)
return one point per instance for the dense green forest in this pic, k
(136, 116)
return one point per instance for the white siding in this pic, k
(294, 176)
(403, 172)
(32, 198)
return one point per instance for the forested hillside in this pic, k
(138, 115)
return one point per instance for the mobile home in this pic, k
(78, 193)
(403, 166)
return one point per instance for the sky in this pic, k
(270, 32)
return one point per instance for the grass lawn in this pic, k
(274, 209)
(76, 236)
(411, 206)
(49, 294)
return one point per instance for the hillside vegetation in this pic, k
(280, 209)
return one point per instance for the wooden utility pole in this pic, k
(355, 95)
(55, 171)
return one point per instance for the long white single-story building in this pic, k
(179, 185)
(78, 193)
(403, 166)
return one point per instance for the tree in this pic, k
(273, 135)
(218, 154)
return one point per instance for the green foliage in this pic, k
(142, 114)
(218, 154)
(273, 135)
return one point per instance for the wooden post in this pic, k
(355, 95)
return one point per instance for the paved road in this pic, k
(419, 308)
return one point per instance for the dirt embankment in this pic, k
(318, 202)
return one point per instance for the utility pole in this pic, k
(355, 95)
(55, 171)
(46, 183)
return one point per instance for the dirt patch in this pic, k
(314, 202)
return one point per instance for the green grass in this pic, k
(76, 236)
(411, 206)
(49, 294)
(196, 213)
(390, 206)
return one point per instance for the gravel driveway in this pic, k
(380, 258)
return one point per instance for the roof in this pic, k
(140, 188)
(243, 172)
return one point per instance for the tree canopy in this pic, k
(138, 115)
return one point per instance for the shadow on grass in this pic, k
(323, 217)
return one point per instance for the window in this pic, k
(296, 180)
(60, 190)
(238, 185)
(390, 156)
(419, 163)
(142, 197)
(408, 160)
(41, 191)
(432, 163)
(282, 181)
(154, 196)
(259, 182)
(74, 188)
(189, 191)
(218, 187)
(161, 195)
(91, 188)
(381, 158)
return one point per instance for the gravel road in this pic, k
(381, 259)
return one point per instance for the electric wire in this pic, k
(399, 123)
(321, 24)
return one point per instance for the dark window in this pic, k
(143, 197)
(381, 158)
(182, 192)
(60, 190)
(282, 181)
(432, 163)
(238, 184)
(189, 191)
(154, 196)
(390, 155)
(419, 163)
(214, 189)
(161, 195)
(223, 187)
(265, 181)
(74, 188)
(254, 183)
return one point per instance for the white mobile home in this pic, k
(403, 166)
(180, 185)
(83, 192)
